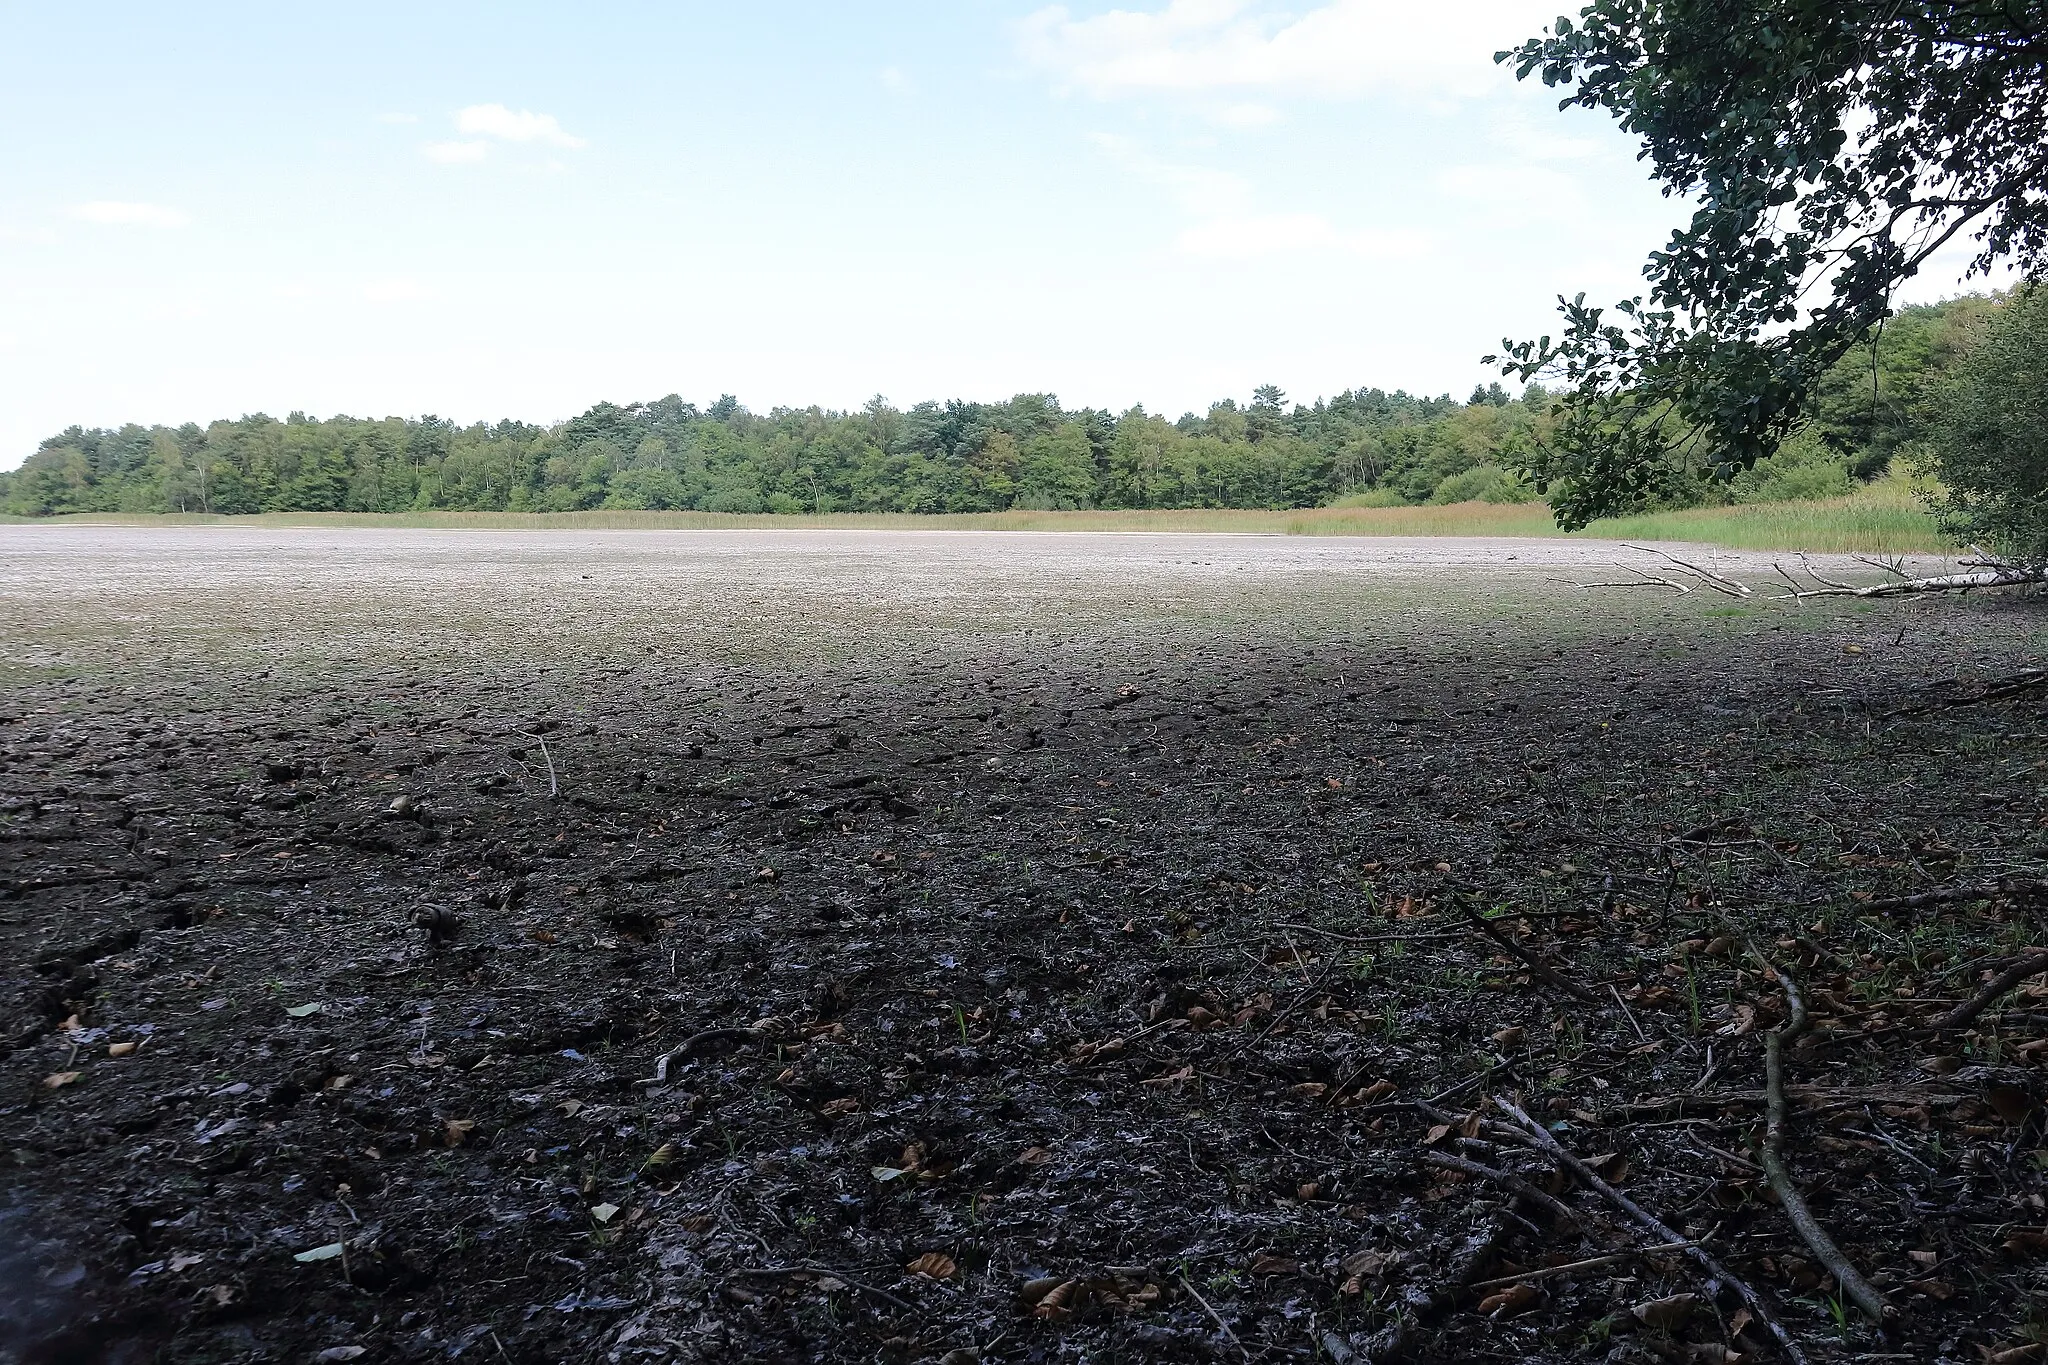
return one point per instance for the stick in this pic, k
(1554, 1207)
(1551, 1272)
(553, 789)
(1962, 1015)
(1760, 1310)
(1571, 988)
(684, 1048)
(1214, 1316)
(802, 1269)
(1865, 1294)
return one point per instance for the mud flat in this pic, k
(743, 946)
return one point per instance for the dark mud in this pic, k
(1004, 984)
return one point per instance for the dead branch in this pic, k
(1535, 965)
(1966, 1013)
(692, 1043)
(1980, 571)
(1718, 1273)
(1861, 1291)
(1572, 1267)
(1556, 1208)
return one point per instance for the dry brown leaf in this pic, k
(1665, 1314)
(1034, 1156)
(1060, 1303)
(1508, 1039)
(1514, 1299)
(121, 1049)
(58, 1080)
(1269, 1264)
(455, 1132)
(845, 1105)
(933, 1265)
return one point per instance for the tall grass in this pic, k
(1885, 518)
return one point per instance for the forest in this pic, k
(1362, 447)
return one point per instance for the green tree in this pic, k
(1989, 440)
(1833, 146)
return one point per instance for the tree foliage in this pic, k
(951, 457)
(1831, 147)
(1988, 441)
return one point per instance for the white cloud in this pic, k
(1516, 191)
(455, 153)
(1280, 233)
(495, 120)
(1200, 190)
(396, 290)
(1337, 49)
(1246, 116)
(125, 213)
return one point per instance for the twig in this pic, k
(1720, 1274)
(1556, 1208)
(1214, 1316)
(770, 1271)
(553, 788)
(1861, 1291)
(1372, 938)
(1536, 967)
(690, 1044)
(1553, 1271)
(1962, 1015)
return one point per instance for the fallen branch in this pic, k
(1551, 1272)
(2026, 680)
(692, 1043)
(781, 1271)
(1966, 1013)
(1981, 572)
(1536, 967)
(1214, 1317)
(1861, 1291)
(1719, 1273)
(1556, 1208)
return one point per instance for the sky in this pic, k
(518, 210)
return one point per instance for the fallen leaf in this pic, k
(121, 1049)
(455, 1131)
(933, 1265)
(834, 1108)
(604, 1213)
(1059, 1303)
(1509, 1038)
(61, 1079)
(333, 1353)
(301, 1012)
(1269, 1264)
(185, 1260)
(326, 1253)
(885, 1174)
(1034, 1156)
(1665, 1314)
(1514, 1299)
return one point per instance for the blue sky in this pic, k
(485, 210)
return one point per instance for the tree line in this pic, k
(1363, 447)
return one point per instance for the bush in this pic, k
(1988, 443)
